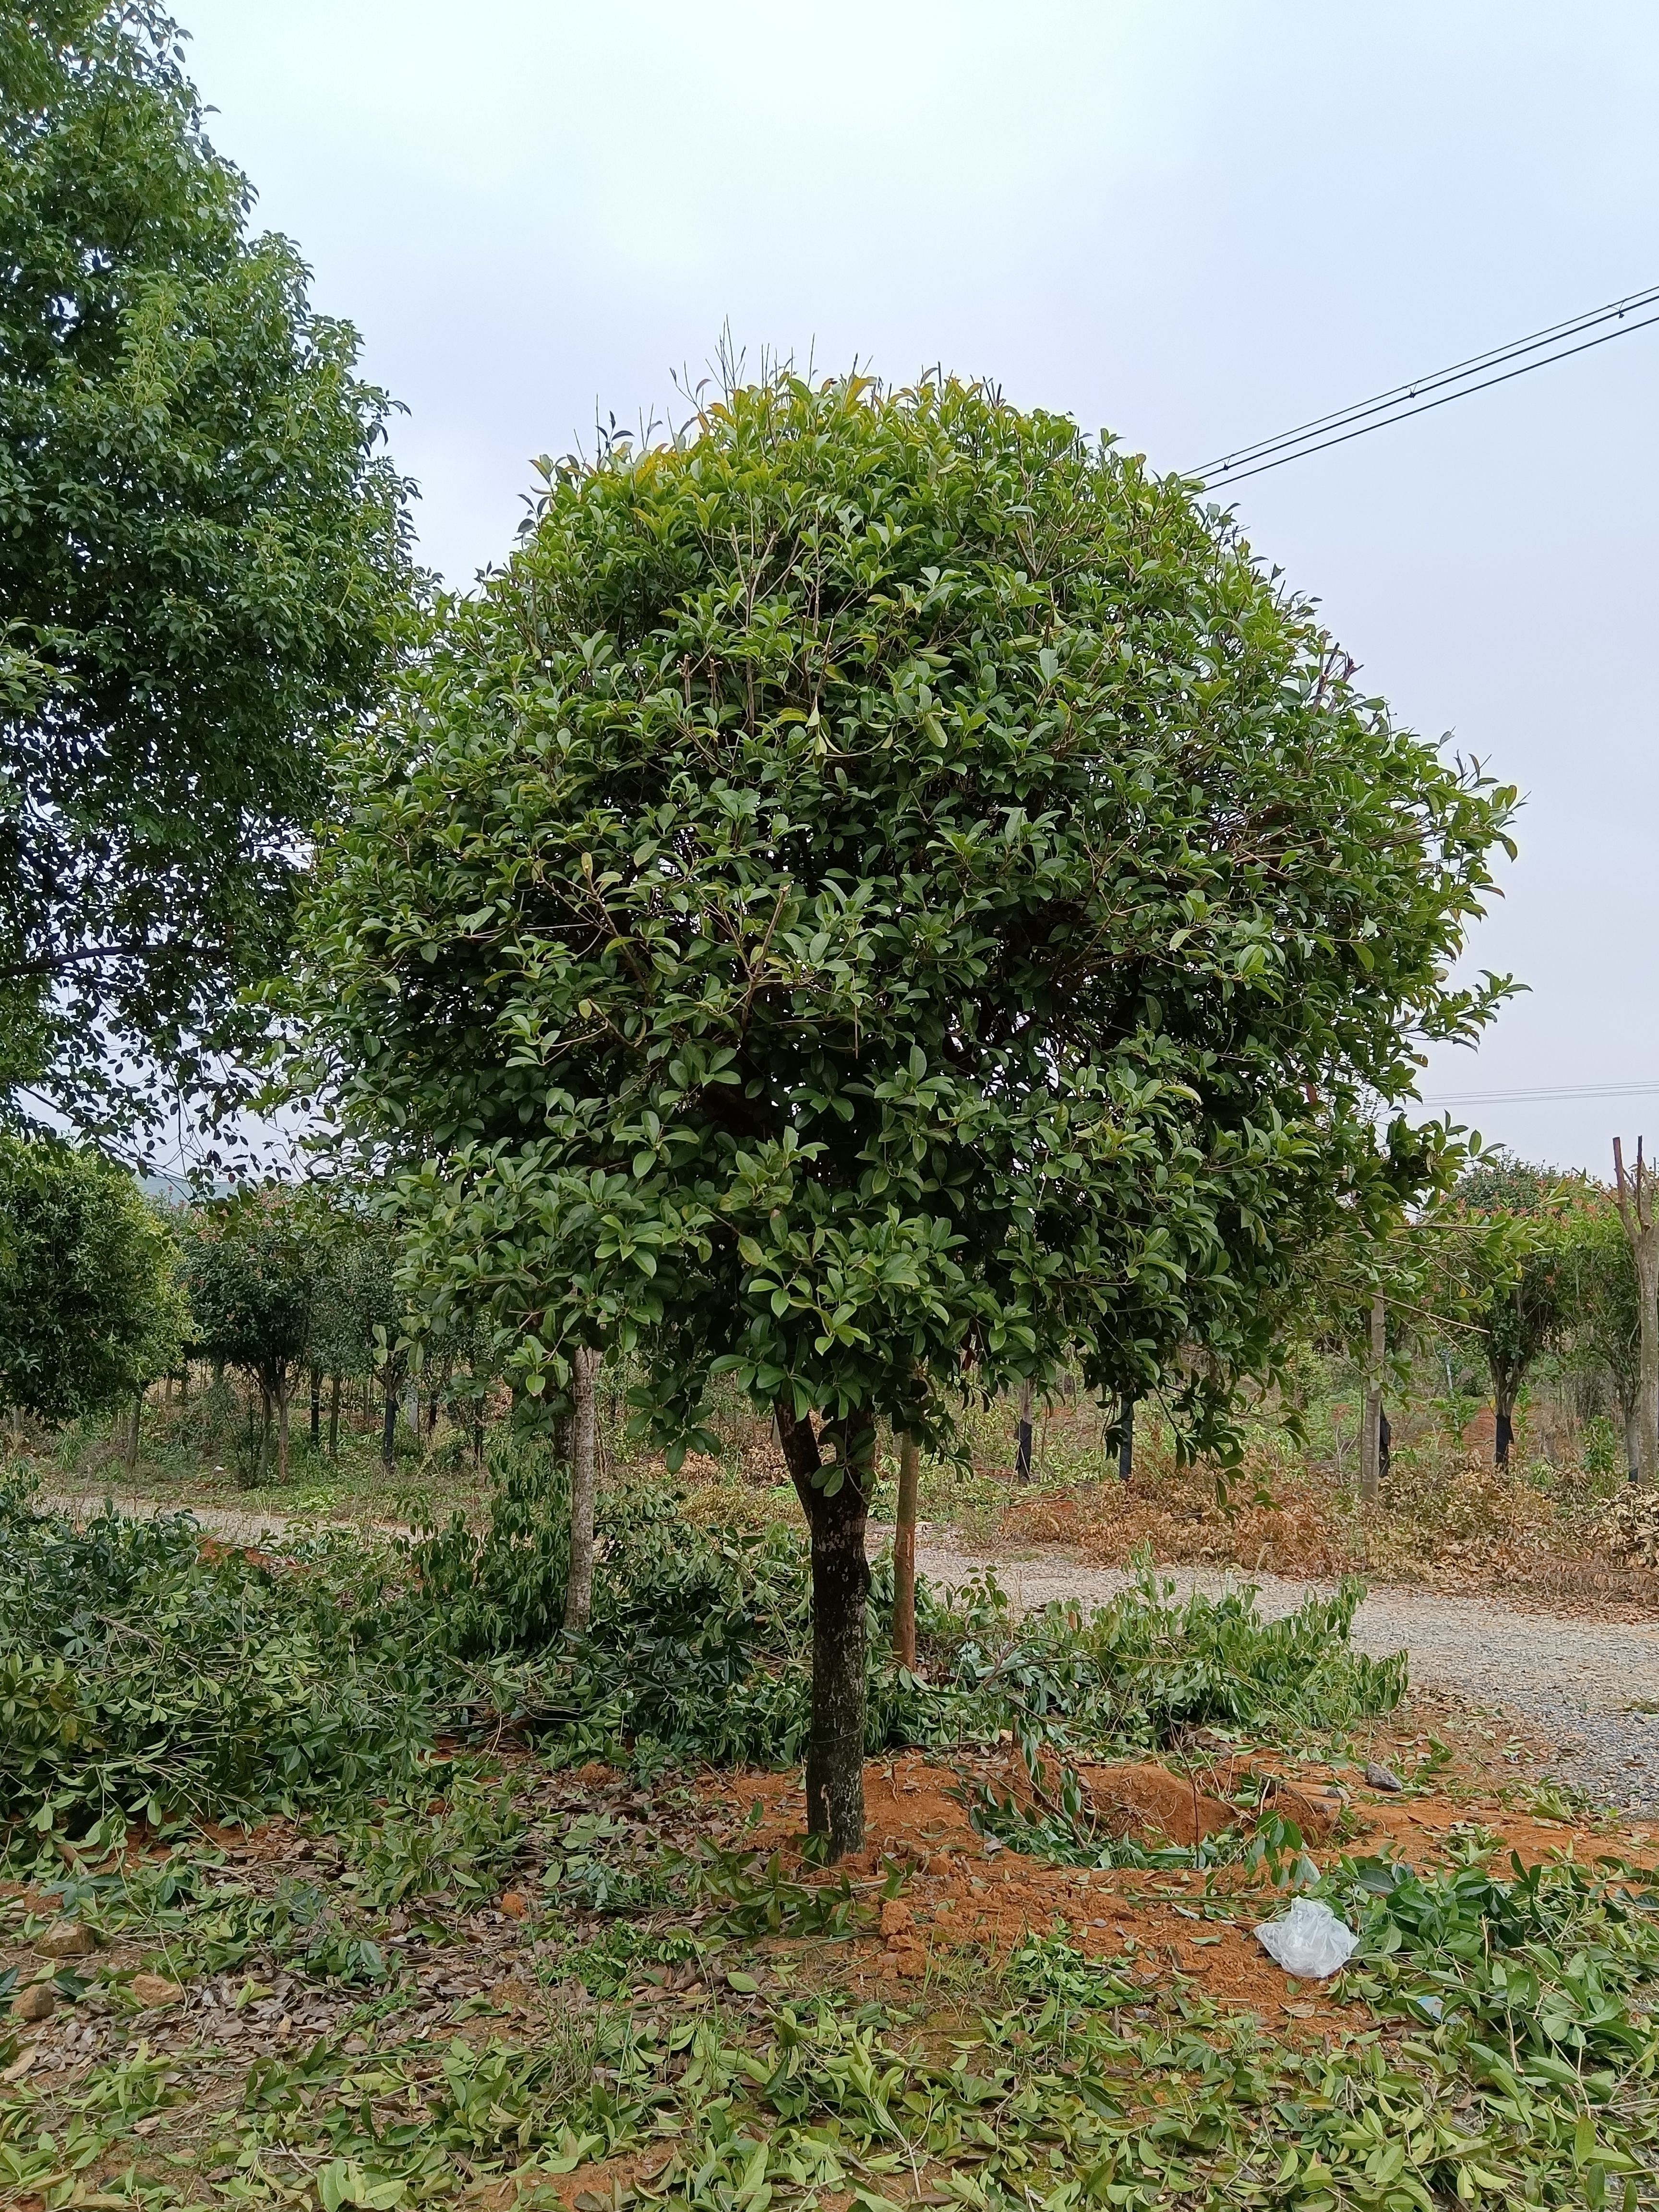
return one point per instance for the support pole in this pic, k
(1370, 1441)
(1022, 1437)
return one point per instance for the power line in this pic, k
(1542, 1094)
(1592, 316)
(1457, 382)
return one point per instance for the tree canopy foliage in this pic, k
(886, 885)
(880, 894)
(203, 553)
(90, 1310)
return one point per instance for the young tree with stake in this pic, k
(882, 897)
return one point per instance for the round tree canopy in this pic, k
(91, 1309)
(881, 893)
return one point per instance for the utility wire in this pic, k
(1457, 382)
(1615, 311)
(1556, 1091)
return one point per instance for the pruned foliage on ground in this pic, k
(1505, 2053)
(146, 1675)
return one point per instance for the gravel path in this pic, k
(1578, 1683)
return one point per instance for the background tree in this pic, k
(1604, 1305)
(253, 1270)
(90, 1307)
(1511, 1282)
(885, 898)
(203, 558)
(1640, 1217)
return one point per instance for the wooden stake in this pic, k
(904, 1554)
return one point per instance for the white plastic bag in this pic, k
(1309, 1941)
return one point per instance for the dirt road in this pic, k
(1590, 1688)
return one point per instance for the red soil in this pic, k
(962, 1895)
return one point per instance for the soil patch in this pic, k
(968, 1898)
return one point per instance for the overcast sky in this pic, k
(1193, 221)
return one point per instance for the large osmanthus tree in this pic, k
(203, 557)
(876, 894)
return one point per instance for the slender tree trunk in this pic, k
(1022, 1437)
(263, 1462)
(389, 1431)
(904, 1554)
(282, 1426)
(1370, 1435)
(579, 1587)
(334, 1417)
(1125, 1440)
(316, 1407)
(841, 1586)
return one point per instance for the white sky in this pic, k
(1196, 222)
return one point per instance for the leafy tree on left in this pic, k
(203, 553)
(90, 1307)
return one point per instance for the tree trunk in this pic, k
(841, 1586)
(1022, 1437)
(904, 1554)
(334, 1417)
(1125, 1440)
(1503, 1433)
(316, 1409)
(579, 1586)
(1370, 1435)
(281, 1426)
(389, 1432)
(264, 1461)
(1632, 1442)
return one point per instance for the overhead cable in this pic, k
(1560, 1090)
(1425, 393)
